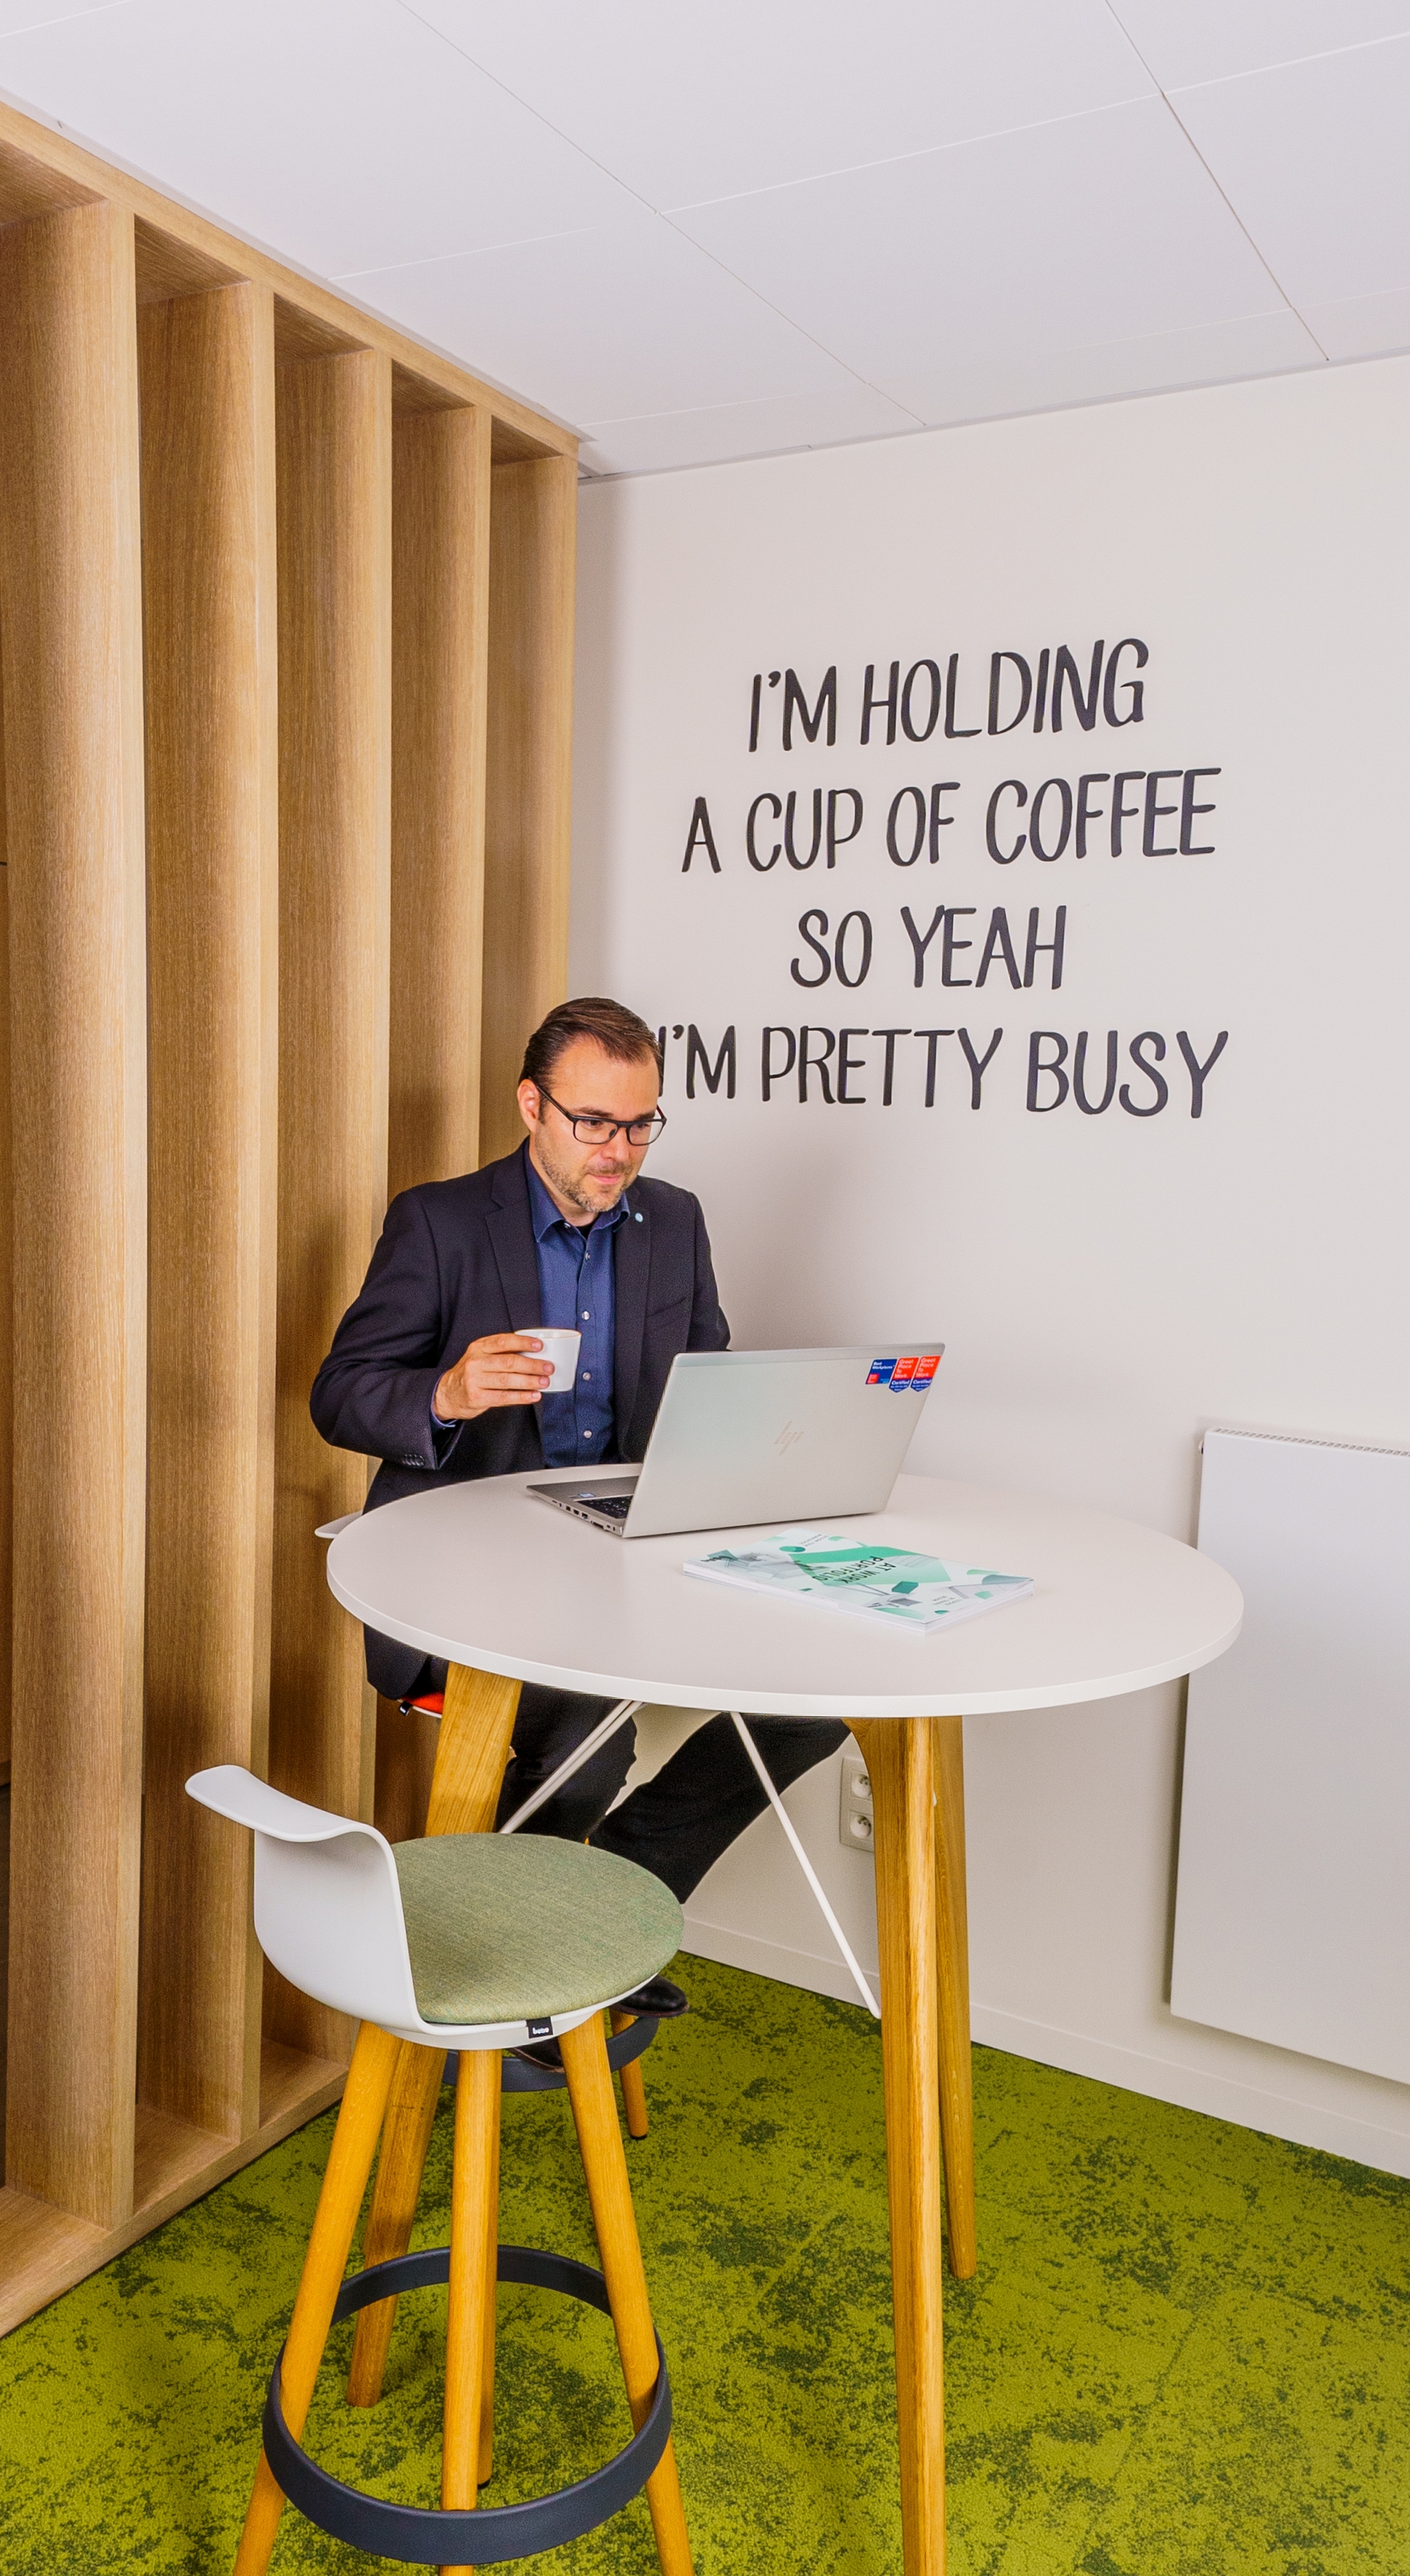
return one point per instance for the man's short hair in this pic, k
(610, 1025)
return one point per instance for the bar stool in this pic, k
(632, 2031)
(473, 1943)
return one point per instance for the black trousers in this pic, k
(679, 1823)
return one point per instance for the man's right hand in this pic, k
(500, 1369)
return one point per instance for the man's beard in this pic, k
(569, 1188)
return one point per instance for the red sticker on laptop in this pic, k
(906, 1371)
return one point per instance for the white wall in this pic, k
(1107, 1285)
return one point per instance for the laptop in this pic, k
(749, 1436)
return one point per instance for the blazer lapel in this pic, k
(630, 1277)
(512, 1239)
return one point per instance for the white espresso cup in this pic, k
(561, 1346)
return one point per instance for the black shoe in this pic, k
(545, 2052)
(657, 2000)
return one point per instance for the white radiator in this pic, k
(1292, 1916)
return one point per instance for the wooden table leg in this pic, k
(477, 1728)
(900, 1755)
(956, 2062)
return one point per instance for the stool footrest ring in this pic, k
(422, 2536)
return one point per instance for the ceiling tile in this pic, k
(728, 431)
(1100, 228)
(605, 325)
(1314, 157)
(1027, 381)
(15, 14)
(1201, 40)
(342, 133)
(687, 104)
(1363, 326)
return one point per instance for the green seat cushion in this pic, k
(519, 1927)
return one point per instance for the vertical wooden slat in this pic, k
(334, 454)
(209, 583)
(440, 622)
(6, 1315)
(533, 538)
(440, 614)
(70, 605)
(6, 1239)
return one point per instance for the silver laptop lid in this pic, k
(750, 1436)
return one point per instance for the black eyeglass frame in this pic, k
(614, 1126)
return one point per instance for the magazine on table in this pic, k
(898, 1585)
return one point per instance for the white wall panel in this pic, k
(1292, 1919)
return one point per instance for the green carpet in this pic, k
(1187, 2351)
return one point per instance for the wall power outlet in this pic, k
(856, 1822)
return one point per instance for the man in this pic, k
(433, 1371)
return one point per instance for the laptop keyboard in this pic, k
(616, 1506)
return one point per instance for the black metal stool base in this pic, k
(521, 2075)
(423, 2536)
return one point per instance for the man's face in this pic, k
(586, 1180)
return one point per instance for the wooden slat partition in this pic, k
(6, 1353)
(207, 384)
(440, 633)
(440, 625)
(71, 607)
(335, 549)
(528, 799)
(263, 599)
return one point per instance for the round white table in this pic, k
(508, 1590)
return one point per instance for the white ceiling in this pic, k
(701, 232)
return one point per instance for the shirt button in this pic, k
(587, 1377)
(587, 1435)
(587, 1319)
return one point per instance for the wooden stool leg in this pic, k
(633, 2089)
(349, 2164)
(411, 2112)
(476, 2121)
(477, 1728)
(956, 2061)
(900, 1760)
(609, 2191)
(491, 2262)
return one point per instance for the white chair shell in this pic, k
(328, 1913)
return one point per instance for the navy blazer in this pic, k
(457, 1260)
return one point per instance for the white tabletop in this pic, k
(484, 1575)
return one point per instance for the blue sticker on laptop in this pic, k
(879, 1374)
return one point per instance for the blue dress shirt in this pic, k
(577, 1293)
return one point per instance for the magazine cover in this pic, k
(897, 1584)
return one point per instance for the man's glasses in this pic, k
(590, 1130)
